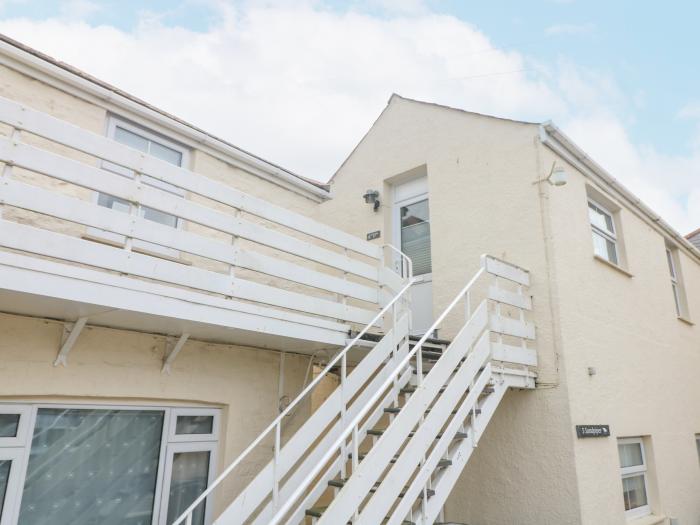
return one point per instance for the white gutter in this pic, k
(556, 140)
(54, 75)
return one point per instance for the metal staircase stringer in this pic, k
(460, 456)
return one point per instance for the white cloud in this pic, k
(299, 84)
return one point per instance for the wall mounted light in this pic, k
(372, 197)
(558, 176)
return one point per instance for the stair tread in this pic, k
(317, 512)
(339, 483)
(380, 431)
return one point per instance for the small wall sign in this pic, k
(592, 431)
(374, 235)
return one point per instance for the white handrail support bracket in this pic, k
(171, 354)
(71, 332)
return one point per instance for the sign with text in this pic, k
(592, 431)
(373, 235)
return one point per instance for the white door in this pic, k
(412, 236)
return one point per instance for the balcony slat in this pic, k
(51, 244)
(71, 283)
(62, 132)
(81, 174)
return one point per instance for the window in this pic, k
(697, 444)
(153, 144)
(633, 469)
(603, 229)
(676, 282)
(101, 464)
(415, 235)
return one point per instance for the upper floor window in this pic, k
(677, 289)
(158, 146)
(155, 145)
(697, 444)
(633, 469)
(604, 234)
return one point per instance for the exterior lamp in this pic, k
(557, 176)
(372, 197)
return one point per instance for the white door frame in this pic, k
(10, 502)
(424, 280)
(187, 446)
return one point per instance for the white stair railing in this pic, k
(399, 476)
(265, 495)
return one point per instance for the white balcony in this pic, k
(238, 269)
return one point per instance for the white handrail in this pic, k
(187, 514)
(351, 428)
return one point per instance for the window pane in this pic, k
(159, 216)
(190, 477)
(697, 443)
(630, 454)
(165, 153)
(604, 248)
(415, 236)
(8, 425)
(4, 481)
(600, 219)
(92, 467)
(194, 425)
(131, 139)
(676, 298)
(634, 491)
(671, 265)
(113, 202)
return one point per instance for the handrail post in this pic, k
(275, 467)
(343, 409)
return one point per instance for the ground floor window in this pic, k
(104, 465)
(633, 468)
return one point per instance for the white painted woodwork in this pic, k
(41, 124)
(506, 270)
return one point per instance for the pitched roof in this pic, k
(694, 238)
(105, 85)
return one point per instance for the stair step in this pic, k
(317, 512)
(380, 431)
(412, 388)
(441, 464)
(340, 483)
(396, 410)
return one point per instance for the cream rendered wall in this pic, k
(480, 172)
(120, 367)
(114, 366)
(647, 360)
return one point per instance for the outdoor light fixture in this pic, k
(372, 197)
(557, 176)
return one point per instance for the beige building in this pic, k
(165, 297)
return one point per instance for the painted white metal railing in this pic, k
(294, 266)
(476, 370)
(268, 483)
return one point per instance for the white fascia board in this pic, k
(75, 85)
(556, 140)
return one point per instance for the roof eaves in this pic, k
(549, 129)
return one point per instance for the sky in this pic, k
(299, 82)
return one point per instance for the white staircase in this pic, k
(388, 445)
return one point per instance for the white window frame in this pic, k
(24, 414)
(182, 438)
(21, 449)
(112, 123)
(424, 277)
(629, 472)
(187, 446)
(10, 504)
(611, 236)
